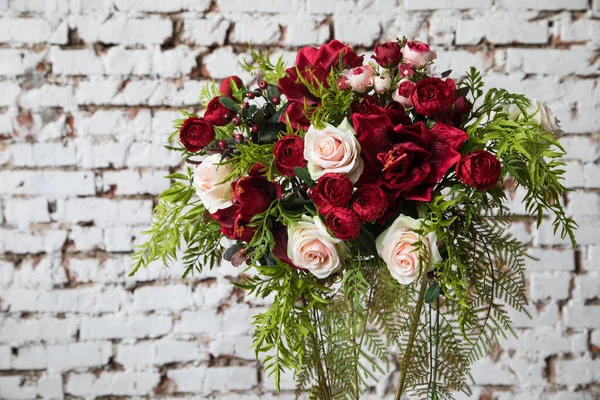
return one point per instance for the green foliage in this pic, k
(263, 65)
(248, 154)
(209, 91)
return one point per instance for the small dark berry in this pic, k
(246, 105)
(262, 84)
(250, 95)
(236, 121)
(276, 100)
(258, 92)
(223, 144)
(304, 188)
(239, 137)
(255, 128)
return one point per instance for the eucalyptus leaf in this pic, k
(227, 102)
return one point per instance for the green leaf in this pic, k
(432, 293)
(227, 102)
(304, 176)
(446, 74)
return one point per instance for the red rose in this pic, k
(226, 218)
(449, 134)
(217, 114)
(289, 153)
(280, 249)
(343, 223)
(370, 203)
(462, 107)
(370, 105)
(387, 55)
(226, 88)
(432, 96)
(332, 190)
(480, 169)
(196, 134)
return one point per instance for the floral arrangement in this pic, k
(366, 199)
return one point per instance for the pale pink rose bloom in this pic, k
(402, 94)
(382, 83)
(406, 261)
(418, 54)
(208, 181)
(360, 79)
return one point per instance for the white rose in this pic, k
(382, 83)
(310, 246)
(540, 114)
(208, 181)
(333, 150)
(396, 247)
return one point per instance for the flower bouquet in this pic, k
(366, 199)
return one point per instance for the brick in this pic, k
(577, 372)
(78, 355)
(146, 353)
(97, 91)
(40, 273)
(583, 204)
(105, 212)
(172, 297)
(230, 378)
(56, 183)
(544, 4)
(189, 379)
(547, 315)
(237, 346)
(580, 148)
(47, 96)
(200, 322)
(113, 122)
(244, 32)
(122, 326)
(121, 61)
(554, 285)
(119, 239)
(297, 34)
(586, 286)
(75, 62)
(162, 6)
(579, 316)
(174, 63)
(50, 330)
(580, 31)
(486, 372)
(151, 155)
(44, 6)
(205, 32)
(501, 29)
(30, 357)
(551, 260)
(32, 30)
(86, 238)
(17, 62)
(274, 6)
(222, 63)
(122, 30)
(135, 93)
(112, 383)
(546, 340)
(460, 61)
(438, 4)
(556, 62)
(106, 154)
(129, 182)
(22, 213)
(10, 91)
(27, 242)
(43, 154)
(356, 30)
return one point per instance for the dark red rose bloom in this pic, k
(332, 190)
(480, 169)
(462, 107)
(369, 203)
(432, 96)
(280, 249)
(314, 65)
(217, 114)
(226, 218)
(226, 88)
(370, 105)
(344, 223)
(196, 134)
(451, 135)
(406, 161)
(289, 153)
(387, 55)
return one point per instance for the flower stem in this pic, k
(411, 340)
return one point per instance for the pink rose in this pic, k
(382, 83)
(403, 93)
(360, 79)
(418, 53)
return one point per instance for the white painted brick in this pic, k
(119, 239)
(501, 29)
(43, 154)
(101, 8)
(40, 273)
(105, 212)
(302, 31)
(17, 62)
(151, 155)
(174, 63)
(123, 30)
(47, 96)
(75, 62)
(210, 296)
(586, 286)
(551, 260)
(30, 357)
(172, 297)
(11, 387)
(32, 30)
(352, 7)
(205, 32)
(556, 62)
(588, 231)
(86, 238)
(23, 212)
(584, 119)
(580, 148)
(579, 316)
(57, 183)
(575, 372)
(237, 319)
(128, 182)
(113, 122)
(78, 355)
(7, 270)
(574, 174)
(244, 31)
(45, 6)
(222, 63)
(26, 242)
(5, 354)
(188, 379)
(486, 372)
(50, 330)
(437, 4)
(544, 4)
(554, 285)
(356, 30)
(591, 175)
(548, 315)
(162, 6)
(173, 95)
(97, 91)
(238, 346)
(546, 341)
(230, 378)
(112, 383)
(121, 61)
(86, 270)
(101, 154)
(580, 31)
(10, 91)
(459, 61)
(569, 396)
(273, 6)
(122, 326)
(200, 322)
(143, 354)
(583, 204)
(135, 93)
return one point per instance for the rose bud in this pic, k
(360, 79)
(539, 114)
(418, 53)
(480, 169)
(462, 107)
(196, 134)
(369, 203)
(431, 96)
(403, 93)
(217, 114)
(344, 223)
(382, 83)
(226, 86)
(289, 153)
(387, 55)
(332, 190)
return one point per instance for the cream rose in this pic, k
(360, 79)
(382, 83)
(540, 114)
(396, 246)
(310, 246)
(208, 181)
(333, 150)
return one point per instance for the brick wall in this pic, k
(87, 92)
